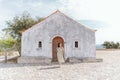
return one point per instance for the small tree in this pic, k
(107, 45)
(112, 44)
(117, 45)
(18, 24)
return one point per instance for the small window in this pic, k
(76, 44)
(40, 44)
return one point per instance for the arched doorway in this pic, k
(55, 42)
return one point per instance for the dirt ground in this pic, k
(109, 69)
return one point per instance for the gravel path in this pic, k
(109, 69)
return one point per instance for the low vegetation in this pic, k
(6, 42)
(111, 45)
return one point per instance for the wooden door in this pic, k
(55, 42)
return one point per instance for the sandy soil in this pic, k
(109, 69)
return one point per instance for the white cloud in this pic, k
(108, 34)
(89, 9)
(103, 10)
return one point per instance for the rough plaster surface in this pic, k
(59, 24)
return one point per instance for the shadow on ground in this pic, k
(50, 67)
(10, 65)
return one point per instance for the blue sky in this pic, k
(103, 15)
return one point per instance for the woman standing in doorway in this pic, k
(60, 52)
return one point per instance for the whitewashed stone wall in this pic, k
(59, 25)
